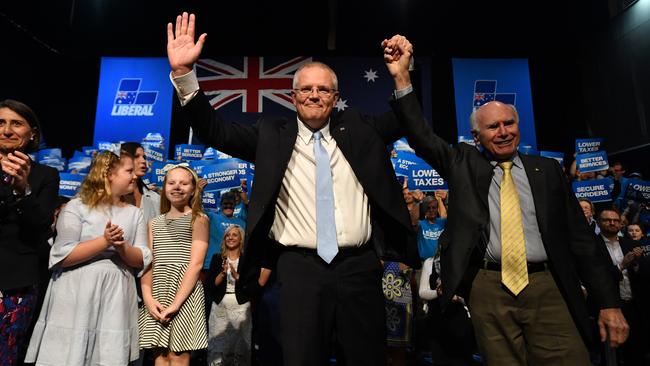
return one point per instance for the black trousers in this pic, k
(336, 307)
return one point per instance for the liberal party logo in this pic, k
(131, 101)
(486, 91)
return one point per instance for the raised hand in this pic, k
(182, 52)
(397, 55)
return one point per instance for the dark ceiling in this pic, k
(50, 50)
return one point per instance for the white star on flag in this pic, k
(371, 75)
(341, 105)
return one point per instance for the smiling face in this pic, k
(232, 238)
(179, 187)
(121, 178)
(314, 108)
(498, 130)
(15, 131)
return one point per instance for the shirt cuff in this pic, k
(187, 86)
(403, 92)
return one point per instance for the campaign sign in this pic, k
(589, 145)
(596, 190)
(69, 184)
(210, 154)
(154, 152)
(210, 199)
(638, 190)
(89, 150)
(189, 152)
(592, 162)
(468, 139)
(402, 145)
(50, 154)
(553, 155)
(158, 172)
(134, 97)
(79, 164)
(527, 149)
(403, 161)
(222, 175)
(425, 178)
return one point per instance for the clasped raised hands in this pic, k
(182, 51)
(114, 234)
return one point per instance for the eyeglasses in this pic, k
(611, 220)
(323, 92)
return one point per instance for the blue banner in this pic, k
(589, 145)
(419, 175)
(559, 156)
(223, 175)
(189, 152)
(479, 81)
(638, 190)
(592, 162)
(597, 190)
(134, 97)
(527, 149)
(210, 199)
(69, 184)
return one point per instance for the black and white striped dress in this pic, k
(172, 242)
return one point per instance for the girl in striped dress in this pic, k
(172, 322)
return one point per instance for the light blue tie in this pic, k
(326, 243)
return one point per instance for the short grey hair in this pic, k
(473, 121)
(335, 80)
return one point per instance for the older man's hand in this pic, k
(612, 322)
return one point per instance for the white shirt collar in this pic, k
(305, 134)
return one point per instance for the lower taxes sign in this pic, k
(638, 190)
(596, 190)
(420, 175)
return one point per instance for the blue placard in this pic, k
(189, 152)
(69, 184)
(559, 156)
(589, 145)
(222, 175)
(154, 152)
(157, 175)
(467, 139)
(527, 149)
(210, 199)
(419, 174)
(54, 153)
(135, 97)
(596, 190)
(79, 164)
(478, 81)
(592, 162)
(638, 190)
(89, 150)
(402, 145)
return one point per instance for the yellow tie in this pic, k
(514, 269)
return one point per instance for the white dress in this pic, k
(230, 327)
(90, 312)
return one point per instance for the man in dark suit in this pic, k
(325, 203)
(522, 311)
(625, 255)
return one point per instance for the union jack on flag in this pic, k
(252, 82)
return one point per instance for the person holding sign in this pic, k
(325, 203)
(516, 244)
(28, 197)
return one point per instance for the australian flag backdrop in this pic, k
(244, 88)
(479, 81)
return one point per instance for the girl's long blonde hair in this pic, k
(96, 188)
(241, 240)
(196, 203)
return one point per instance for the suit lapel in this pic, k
(339, 132)
(288, 132)
(484, 172)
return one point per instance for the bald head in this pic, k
(495, 126)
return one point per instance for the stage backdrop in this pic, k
(134, 98)
(244, 88)
(478, 81)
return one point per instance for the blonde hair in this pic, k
(241, 240)
(196, 203)
(96, 188)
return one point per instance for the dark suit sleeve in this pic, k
(215, 292)
(36, 211)
(427, 145)
(236, 139)
(593, 267)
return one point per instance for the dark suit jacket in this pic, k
(269, 144)
(568, 241)
(25, 227)
(216, 293)
(627, 245)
